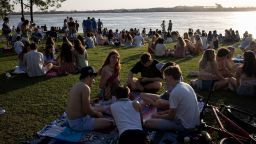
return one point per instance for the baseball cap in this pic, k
(87, 71)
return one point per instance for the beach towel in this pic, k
(18, 70)
(58, 131)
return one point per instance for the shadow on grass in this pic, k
(131, 58)
(2, 55)
(168, 59)
(18, 81)
(225, 97)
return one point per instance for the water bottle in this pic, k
(186, 140)
(8, 75)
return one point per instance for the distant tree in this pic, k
(5, 7)
(41, 4)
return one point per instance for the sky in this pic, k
(81, 5)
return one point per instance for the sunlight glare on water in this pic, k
(241, 21)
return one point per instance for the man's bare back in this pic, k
(78, 100)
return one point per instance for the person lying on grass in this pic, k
(81, 115)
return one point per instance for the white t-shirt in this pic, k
(183, 100)
(204, 42)
(18, 47)
(160, 50)
(125, 116)
(138, 40)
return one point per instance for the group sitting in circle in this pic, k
(216, 70)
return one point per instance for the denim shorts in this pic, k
(82, 124)
(171, 125)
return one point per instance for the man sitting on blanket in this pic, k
(80, 114)
(183, 112)
(151, 77)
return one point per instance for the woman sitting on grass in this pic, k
(152, 45)
(198, 49)
(128, 40)
(179, 49)
(110, 75)
(49, 55)
(186, 36)
(160, 49)
(66, 59)
(25, 49)
(225, 68)
(234, 66)
(245, 81)
(51, 43)
(80, 54)
(208, 71)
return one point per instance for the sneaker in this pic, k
(2, 111)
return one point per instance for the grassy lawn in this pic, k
(31, 103)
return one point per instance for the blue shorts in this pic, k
(170, 125)
(82, 124)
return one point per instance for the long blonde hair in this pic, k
(181, 42)
(208, 56)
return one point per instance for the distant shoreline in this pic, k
(175, 9)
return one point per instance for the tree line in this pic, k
(7, 6)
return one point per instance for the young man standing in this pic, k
(183, 113)
(81, 115)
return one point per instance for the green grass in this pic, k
(31, 103)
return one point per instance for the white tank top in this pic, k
(125, 116)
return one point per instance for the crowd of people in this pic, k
(180, 112)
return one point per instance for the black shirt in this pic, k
(150, 71)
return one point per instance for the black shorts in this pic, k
(133, 137)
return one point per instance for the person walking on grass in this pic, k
(81, 115)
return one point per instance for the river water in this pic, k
(241, 21)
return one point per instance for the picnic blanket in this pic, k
(59, 132)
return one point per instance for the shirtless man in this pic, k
(80, 114)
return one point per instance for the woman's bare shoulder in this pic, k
(106, 71)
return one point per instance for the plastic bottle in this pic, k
(8, 75)
(186, 140)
